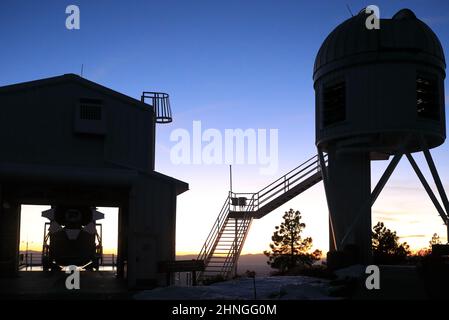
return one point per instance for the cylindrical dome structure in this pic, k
(378, 92)
(380, 89)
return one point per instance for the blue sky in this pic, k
(230, 64)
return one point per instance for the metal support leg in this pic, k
(325, 183)
(428, 189)
(372, 199)
(437, 179)
(383, 180)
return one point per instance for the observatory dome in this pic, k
(380, 90)
(404, 32)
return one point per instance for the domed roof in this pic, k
(402, 33)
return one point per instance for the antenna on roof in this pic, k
(82, 69)
(349, 9)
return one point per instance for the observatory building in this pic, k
(379, 93)
(76, 145)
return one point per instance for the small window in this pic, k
(334, 104)
(90, 112)
(427, 104)
(90, 117)
(90, 109)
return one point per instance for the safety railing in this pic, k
(248, 203)
(278, 187)
(214, 234)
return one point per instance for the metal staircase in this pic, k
(225, 241)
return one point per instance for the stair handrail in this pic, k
(284, 187)
(305, 164)
(213, 234)
(231, 258)
(294, 169)
(288, 182)
(216, 229)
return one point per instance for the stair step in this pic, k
(221, 256)
(228, 237)
(221, 259)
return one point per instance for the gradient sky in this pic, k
(230, 64)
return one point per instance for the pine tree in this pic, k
(386, 246)
(288, 248)
(435, 240)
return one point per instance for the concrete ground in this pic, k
(405, 283)
(51, 285)
(396, 283)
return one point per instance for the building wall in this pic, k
(37, 126)
(381, 99)
(153, 213)
(9, 237)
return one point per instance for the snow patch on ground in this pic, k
(352, 272)
(288, 288)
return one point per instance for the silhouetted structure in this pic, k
(223, 245)
(379, 93)
(72, 237)
(67, 141)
